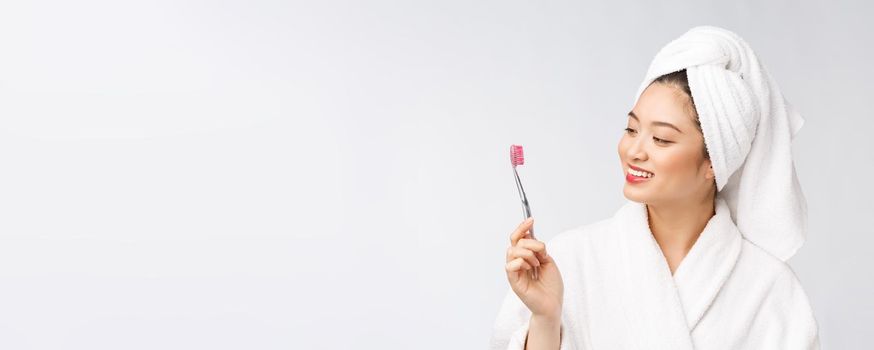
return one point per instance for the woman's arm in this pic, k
(544, 333)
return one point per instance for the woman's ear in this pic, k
(710, 175)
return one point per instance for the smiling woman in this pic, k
(664, 137)
(687, 262)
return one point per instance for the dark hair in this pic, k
(680, 81)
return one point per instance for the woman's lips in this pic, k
(635, 179)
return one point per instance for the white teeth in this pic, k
(639, 173)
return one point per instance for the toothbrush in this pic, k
(517, 158)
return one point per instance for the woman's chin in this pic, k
(633, 195)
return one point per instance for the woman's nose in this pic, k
(636, 150)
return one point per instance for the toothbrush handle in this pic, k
(526, 213)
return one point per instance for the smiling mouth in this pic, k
(639, 174)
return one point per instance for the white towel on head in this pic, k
(748, 129)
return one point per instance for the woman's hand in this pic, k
(544, 295)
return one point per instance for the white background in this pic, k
(335, 174)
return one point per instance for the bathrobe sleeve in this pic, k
(786, 320)
(511, 327)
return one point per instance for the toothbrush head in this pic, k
(516, 155)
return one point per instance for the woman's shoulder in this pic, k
(772, 285)
(764, 264)
(756, 269)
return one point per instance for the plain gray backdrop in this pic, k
(335, 174)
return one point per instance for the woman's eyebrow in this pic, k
(655, 123)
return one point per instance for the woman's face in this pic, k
(662, 138)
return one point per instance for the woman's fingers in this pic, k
(538, 247)
(517, 264)
(532, 244)
(521, 230)
(525, 254)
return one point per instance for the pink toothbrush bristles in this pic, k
(516, 156)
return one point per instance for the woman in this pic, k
(696, 258)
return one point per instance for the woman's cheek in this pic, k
(621, 148)
(675, 163)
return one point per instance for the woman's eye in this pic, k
(660, 140)
(630, 130)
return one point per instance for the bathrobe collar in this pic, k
(664, 305)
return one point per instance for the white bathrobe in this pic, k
(619, 292)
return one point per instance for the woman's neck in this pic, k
(676, 226)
